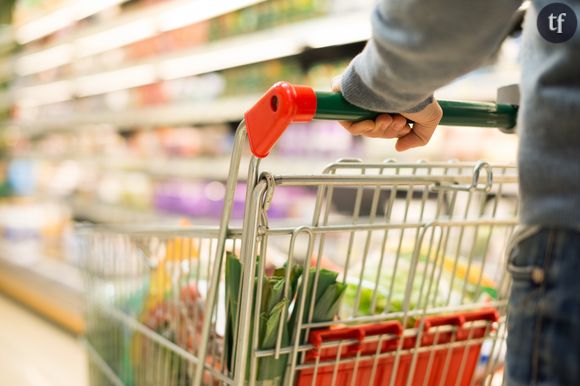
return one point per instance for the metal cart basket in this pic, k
(403, 286)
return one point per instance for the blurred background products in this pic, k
(124, 111)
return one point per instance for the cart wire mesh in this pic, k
(397, 279)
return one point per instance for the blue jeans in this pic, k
(543, 344)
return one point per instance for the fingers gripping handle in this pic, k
(285, 103)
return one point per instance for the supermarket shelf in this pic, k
(61, 17)
(101, 213)
(232, 108)
(6, 36)
(223, 110)
(117, 214)
(480, 85)
(147, 22)
(131, 26)
(200, 168)
(269, 44)
(49, 286)
(5, 100)
(251, 48)
(5, 68)
(218, 168)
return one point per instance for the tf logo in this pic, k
(557, 22)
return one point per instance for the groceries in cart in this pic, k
(451, 342)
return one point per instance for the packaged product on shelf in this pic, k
(319, 74)
(311, 139)
(119, 100)
(254, 78)
(140, 144)
(26, 11)
(151, 94)
(130, 189)
(34, 223)
(137, 191)
(190, 36)
(264, 15)
(170, 41)
(212, 140)
(110, 59)
(22, 177)
(90, 104)
(181, 197)
(49, 75)
(57, 110)
(205, 199)
(104, 61)
(197, 88)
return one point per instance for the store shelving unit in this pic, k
(95, 212)
(75, 55)
(163, 16)
(251, 48)
(206, 168)
(57, 43)
(48, 285)
(223, 110)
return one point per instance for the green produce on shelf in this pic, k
(6, 10)
(254, 78)
(265, 15)
(318, 75)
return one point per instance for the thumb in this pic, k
(426, 122)
(418, 136)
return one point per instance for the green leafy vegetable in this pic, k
(279, 296)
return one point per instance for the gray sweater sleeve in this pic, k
(418, 46)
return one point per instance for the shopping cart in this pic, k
(403, 283)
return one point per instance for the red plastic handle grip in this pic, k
(318, 337)
(393, 328)
(359, 333)
(488, 314)
(281, 105)
(438, 321)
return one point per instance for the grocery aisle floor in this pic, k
(33, 352)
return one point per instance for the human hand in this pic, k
(397, 125)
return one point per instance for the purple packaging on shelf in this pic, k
(205, 199)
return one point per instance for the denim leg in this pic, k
(544, 310)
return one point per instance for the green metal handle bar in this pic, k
(333, 106)
(285, 103)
